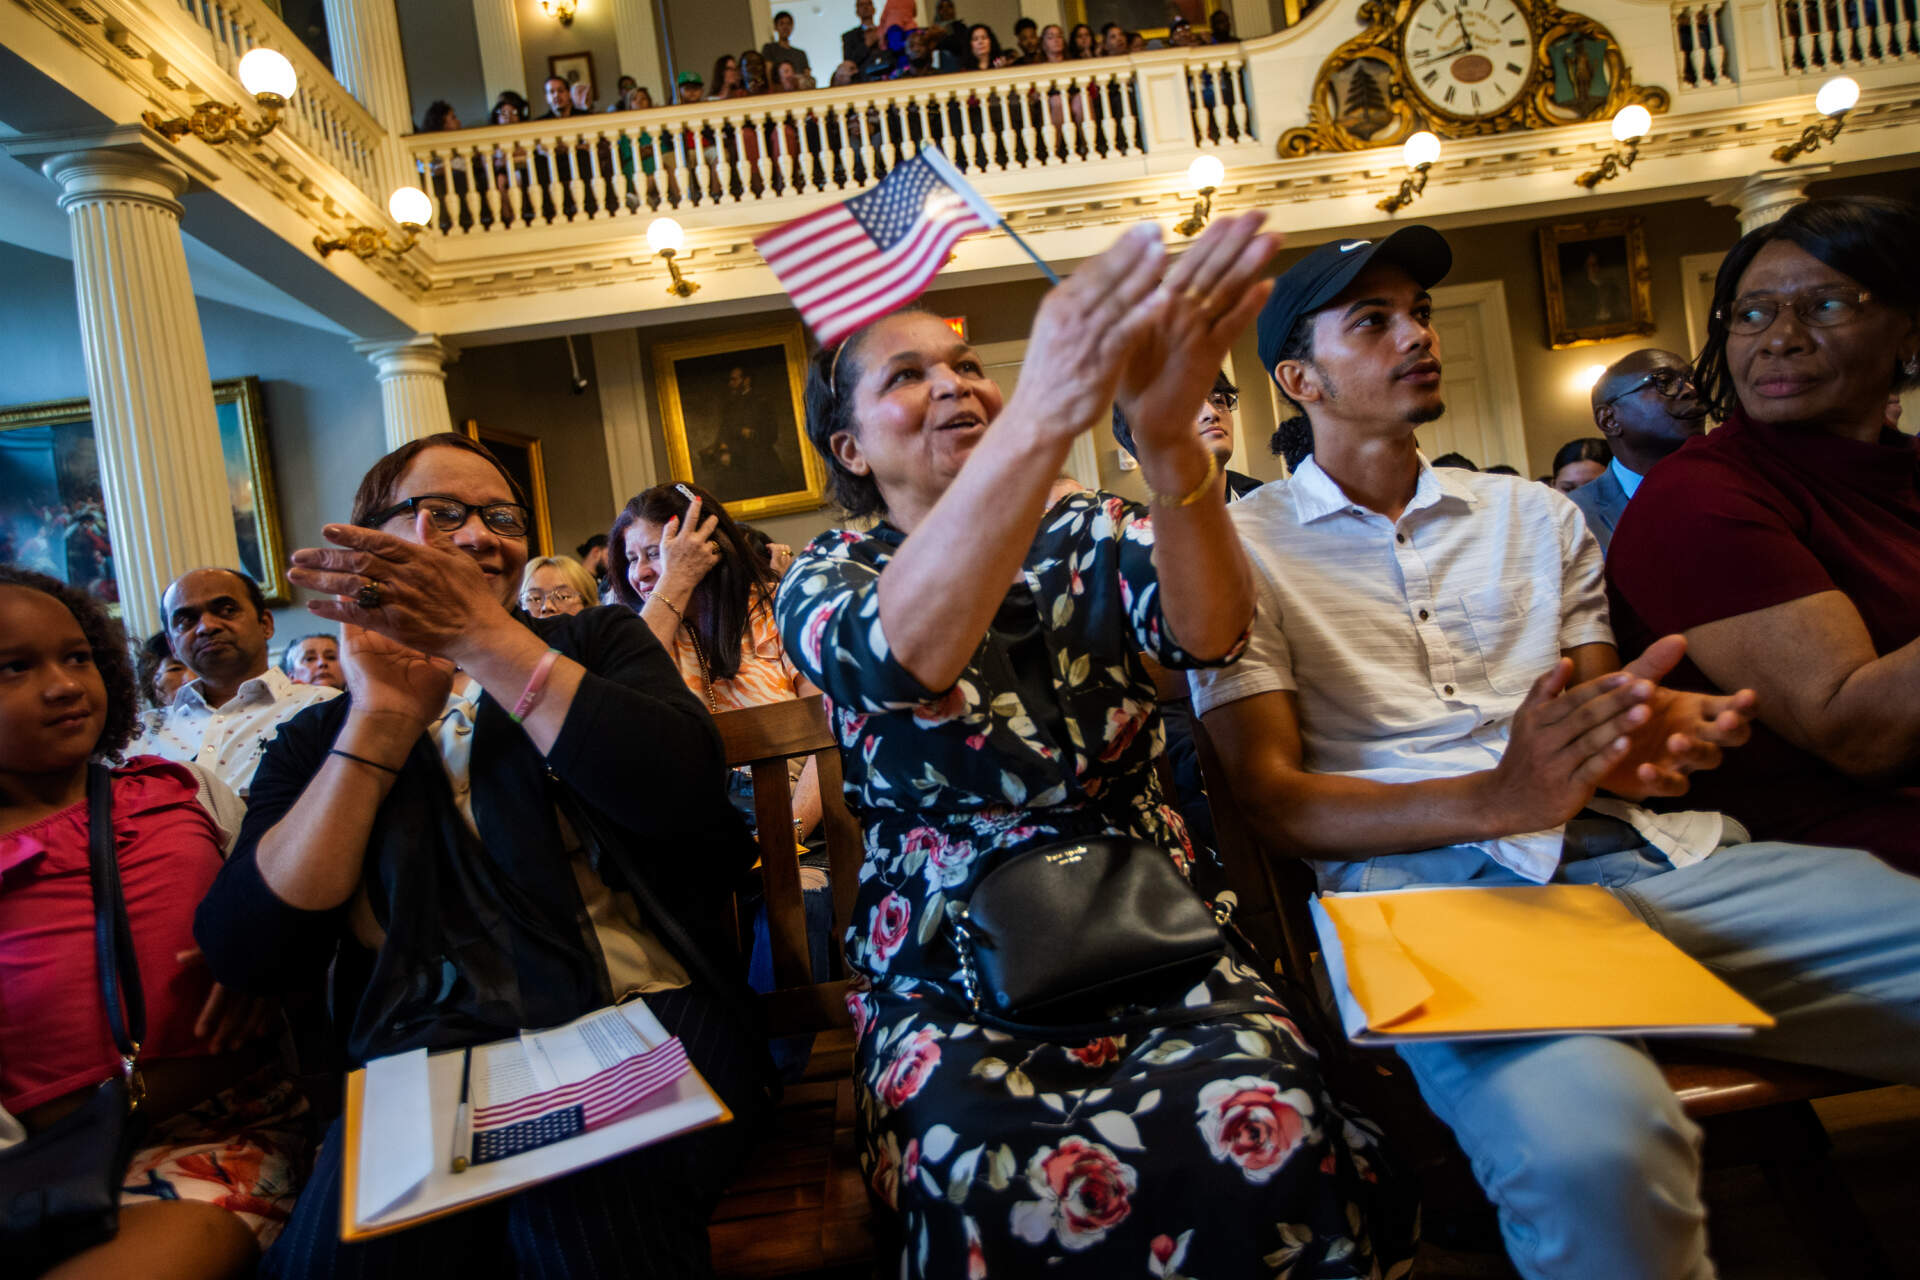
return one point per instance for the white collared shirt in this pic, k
(229, 739)
(1629, 480)
(1411, 643)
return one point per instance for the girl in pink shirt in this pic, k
(222, 1144)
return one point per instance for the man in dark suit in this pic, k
(858, 43)
(1646, 406)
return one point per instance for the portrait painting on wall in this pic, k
(53, 516)
(574, 68)
(732, 407)
(520, 455)
(1598, 284)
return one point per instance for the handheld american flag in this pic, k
(861, 258)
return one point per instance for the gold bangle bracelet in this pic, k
(1198, 491)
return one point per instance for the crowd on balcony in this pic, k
(870, 52)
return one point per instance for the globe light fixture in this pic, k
(1204, 175)
(266, 74)
(1419, 153)
(666, 238)
(1836, 97)
(1630, 124)
(411, 207)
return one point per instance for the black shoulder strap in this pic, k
(112, 935)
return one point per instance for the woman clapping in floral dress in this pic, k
(979, 650)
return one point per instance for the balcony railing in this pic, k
(1815, 37)
(762, 151)
(322, 116)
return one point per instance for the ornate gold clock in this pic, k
(1464, 68)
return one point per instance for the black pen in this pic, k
(463, 1115)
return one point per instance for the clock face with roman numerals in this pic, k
(1468, 58)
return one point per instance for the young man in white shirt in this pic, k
(218, 625)
(1431, 695)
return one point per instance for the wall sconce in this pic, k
(409, 206)
(264, 73)
(1205, 175)
(561, 9)
(1418, 154)
(666, 239)
(1630, 124)
(1835, 99)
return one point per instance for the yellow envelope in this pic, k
(1454, 963)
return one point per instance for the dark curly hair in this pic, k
(1867, 238)
(109, 653)
(1293, 438)
(832, 374)
(722, 605)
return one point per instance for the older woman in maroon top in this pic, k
(1786, 544)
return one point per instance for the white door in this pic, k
(1482, 391)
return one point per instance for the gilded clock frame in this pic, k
(1383, 43)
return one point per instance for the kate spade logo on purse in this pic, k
(1067, 857)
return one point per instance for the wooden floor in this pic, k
(1876, 1146)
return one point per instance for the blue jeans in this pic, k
(1586, 1154)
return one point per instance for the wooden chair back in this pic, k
(764, 739)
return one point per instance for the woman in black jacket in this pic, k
(507, 823)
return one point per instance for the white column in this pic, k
(365, 37)
(638, 38)
(501, 63)
(624, 416)
(413, 386)
(1761, 198)
(158, 441)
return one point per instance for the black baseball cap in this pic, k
(1318, 278)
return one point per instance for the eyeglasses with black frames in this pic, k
(1224, 401)
(448, 515)
(1668, 382)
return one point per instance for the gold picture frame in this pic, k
(733, 409)
(64, 472)
(1598, 284)
(521, 457)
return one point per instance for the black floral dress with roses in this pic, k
(1209, 1150)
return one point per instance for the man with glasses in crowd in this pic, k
(1646, 406)
(1215, 426)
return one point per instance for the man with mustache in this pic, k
(218, 625)
(1431, 696)
(1646, 406)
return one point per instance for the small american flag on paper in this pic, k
(863, 257)
(554, 1115)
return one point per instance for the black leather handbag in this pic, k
(1058, 936)
(60, 1189)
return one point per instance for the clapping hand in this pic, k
(428, 595)
(1683, 733)
(1209, 295)
(1085, 332)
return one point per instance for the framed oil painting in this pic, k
(731, 407)
(53, 516)
(1598, 284)
(520, 455)
(574, 68)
